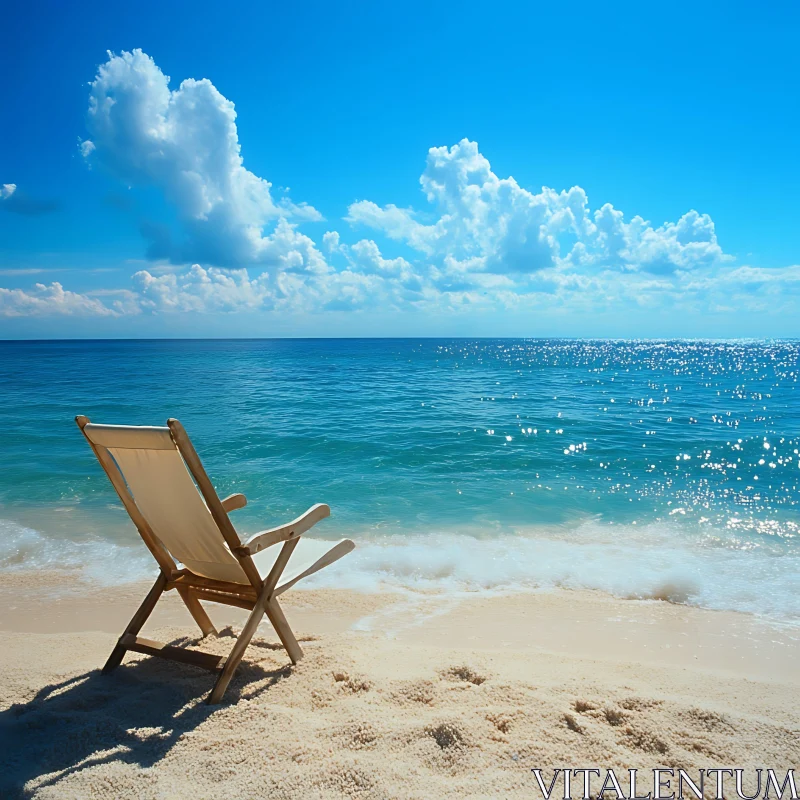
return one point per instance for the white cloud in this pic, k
(290, 251)
(687, 244)
(370, 281)
(200, 290)
(50, 300)
(373, 282)
(482, 242)
(330, 241)
(185, 143)
(368, 259)
(757, 278)
(489, 224)
(397, 223)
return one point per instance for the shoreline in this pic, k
(628, 562)
(578, 622)
(399, 695)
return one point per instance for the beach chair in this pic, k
(183, 521)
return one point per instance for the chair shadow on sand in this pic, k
(135, 714)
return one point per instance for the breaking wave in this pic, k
(661, 561)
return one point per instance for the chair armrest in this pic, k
(282, 533)
(234, 501)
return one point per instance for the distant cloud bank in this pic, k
(479, 242)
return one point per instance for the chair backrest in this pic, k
(161, 488)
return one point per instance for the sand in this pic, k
(399, 696)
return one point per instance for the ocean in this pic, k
(646, 469)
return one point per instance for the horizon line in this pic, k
(401, 338)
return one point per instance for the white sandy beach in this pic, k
(402, 696)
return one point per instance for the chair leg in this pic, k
(197, 611)
(285, 634)
(236, 654)
(136, 623)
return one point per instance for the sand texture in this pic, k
(398, 697)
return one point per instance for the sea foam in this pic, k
(90, 562)
(658, 562)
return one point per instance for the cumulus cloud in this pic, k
(214, 290)
(330, 241)
(367, 256)
(489, 224)
(397, 223)
(185, 143)
(200, 290)
(50, 300)
(479, 242)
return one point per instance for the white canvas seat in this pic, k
(168, 495)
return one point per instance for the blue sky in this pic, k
(383, 171)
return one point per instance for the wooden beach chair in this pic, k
(183, 520)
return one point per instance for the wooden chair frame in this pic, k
(260, 597)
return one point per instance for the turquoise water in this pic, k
(647, 469)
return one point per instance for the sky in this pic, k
(409, 169)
